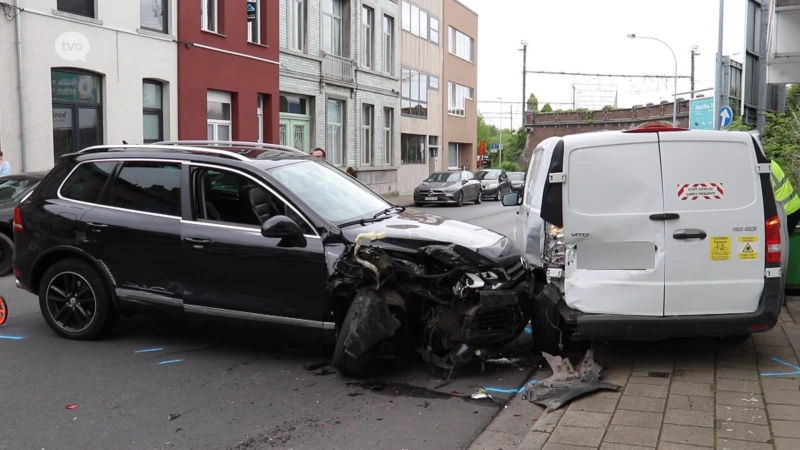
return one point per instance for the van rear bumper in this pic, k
(608, 326)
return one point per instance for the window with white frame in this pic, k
(296, 24)
(419, 22)
(388, 135)
(368, 37)
(78, 7)
(254, 26)
(152, 111)
(260, 112)
(218, 122)
(414, 93)
(333, 34)
(405, 12)
(335, 131)
(388, 45)
(461, 45)
(434, 35)
(210, 15)
(457, 98)
(367, 134)
(153, 15)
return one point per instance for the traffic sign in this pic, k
(701, 114)
(251, 10)
(725, 116)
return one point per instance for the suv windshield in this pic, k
(516, 176)
(330, 192)
(444, 176)
(487, 174)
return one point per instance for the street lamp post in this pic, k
(500, 160)
(675, 92)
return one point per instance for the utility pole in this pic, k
(694, 53)
(524, 51)
(500, 161)
(573, 96)
(761, 115)
(718, 77)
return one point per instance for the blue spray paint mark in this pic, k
(529, 330)
(509, 391)
(12, 338)
(148, 350)
(780, 361)
(170, 361)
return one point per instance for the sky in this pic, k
(590, 36)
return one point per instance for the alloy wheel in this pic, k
(71, 302)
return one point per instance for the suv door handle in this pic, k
(690, 233)
(665, 216)
(198, 241)
(97, 225)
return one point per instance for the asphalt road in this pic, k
(223, 386)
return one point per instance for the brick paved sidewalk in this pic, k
(696, 394)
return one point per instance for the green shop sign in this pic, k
(75, 87)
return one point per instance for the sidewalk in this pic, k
(694, 394)
(400, 200)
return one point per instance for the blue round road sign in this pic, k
(725, 116)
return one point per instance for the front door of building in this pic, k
(295, 133)
(77, 111)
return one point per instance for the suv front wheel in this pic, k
(75, 301)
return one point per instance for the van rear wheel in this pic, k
(548, 328)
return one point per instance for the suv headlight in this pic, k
(554, 246)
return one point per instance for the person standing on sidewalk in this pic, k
(5, 166)
(787, 196)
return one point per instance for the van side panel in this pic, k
(615, 261)
(529, 227)
(712, 184)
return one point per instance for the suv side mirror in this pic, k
(511, 199)
(464, 181)
(285, 229)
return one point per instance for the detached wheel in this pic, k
(354, 367)
(76, 302)
(6, 254)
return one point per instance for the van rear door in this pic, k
(715, 249)
(614, 260)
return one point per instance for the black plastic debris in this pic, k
(324, 371)
(316, 365)
(567, 384)
(173, 416)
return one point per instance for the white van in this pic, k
(650, 232)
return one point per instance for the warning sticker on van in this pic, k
(698, 191)
(746, 247)
(720, 248)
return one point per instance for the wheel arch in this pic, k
(62, 252)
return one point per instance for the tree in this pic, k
(608, 107)
(547, 108)
(533, 103)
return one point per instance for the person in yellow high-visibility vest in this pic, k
(786, 195)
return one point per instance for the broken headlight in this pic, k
(554, 246)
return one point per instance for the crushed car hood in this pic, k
(412, 230)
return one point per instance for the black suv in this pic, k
(262, 233)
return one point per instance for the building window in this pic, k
(260, 115)
(367, 134)
(412, 149)
(332, 27)
(388, 45)
(367, 37)
(406, 13)
(295, 122)
(414, 95)
(388, 135)
(419, 22)
(296, 24)
(457, 99)
(434, 82)
(219, 123)
(210, 15)
(335, 132)
(434, 36)
(433, 145)
(461, 45)
(153, 15)
(80, 7)
(254, 26)
(453, 154)
(77, 111)
(152, 111)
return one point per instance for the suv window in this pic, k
(151, 187)
(87, 181)
(229, 198)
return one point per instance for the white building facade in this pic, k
(92, 72)
(339, 81)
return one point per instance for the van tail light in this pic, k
(773, 238)
(18, 220)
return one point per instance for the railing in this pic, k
(337, 68)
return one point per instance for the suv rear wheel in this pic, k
(75, 301)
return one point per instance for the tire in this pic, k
(353, 367)
(546, 338)
(479, 199)
(89, 300)
(460, 200)
(418, 205)
(6, 254)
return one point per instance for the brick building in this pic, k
(339, 81)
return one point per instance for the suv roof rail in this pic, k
(169, 148)
(263, 145)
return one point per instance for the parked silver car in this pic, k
(452, 187)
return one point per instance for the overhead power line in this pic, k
(607, 75)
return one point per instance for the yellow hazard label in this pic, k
(720, 248)
(746, 252)
(748, 238)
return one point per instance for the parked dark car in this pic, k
(484, 162)
(517, 181)
(451, 187)
(13, 188)
(268, 234)
(495, 183)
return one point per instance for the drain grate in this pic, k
(658, 374)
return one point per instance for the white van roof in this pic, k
(611, 137)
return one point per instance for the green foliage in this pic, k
(738, 125)
(608, 107)
(533, 103)
(547, 108)
(510, 166)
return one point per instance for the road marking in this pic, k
(171, 361)
(149, 350)
(12, 338)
